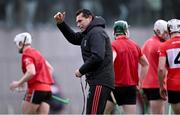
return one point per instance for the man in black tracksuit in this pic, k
(97, 55)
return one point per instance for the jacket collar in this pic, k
(97, 21)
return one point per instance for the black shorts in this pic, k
(173, 97)
(152, 93)
(97, 98)
(37, 97)
(124, 95)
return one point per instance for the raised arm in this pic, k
(70, 35)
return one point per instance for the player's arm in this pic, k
(161, 75)
(50, 68)
(144, 66)
(30, 72)
(161, 70)
(114, 55)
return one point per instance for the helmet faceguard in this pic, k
(173, 26)
(120, 27)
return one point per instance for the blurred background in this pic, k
(36, 17)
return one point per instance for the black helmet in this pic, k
(120, 27)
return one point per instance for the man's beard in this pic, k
(20, 51)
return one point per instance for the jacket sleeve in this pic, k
(97, 47)
(70, 35)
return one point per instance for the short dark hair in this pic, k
(86, 13)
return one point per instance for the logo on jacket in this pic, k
(85, 41)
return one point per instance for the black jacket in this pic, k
(96, 51)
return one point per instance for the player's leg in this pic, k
(129, 101)
(156, 106)
(34, 102)
(43, 108)
(28, 105)
(174, 100)
(111, 102)
(129, 109)
(156, 103)
(42, 98)
(29, 108)
(176, 108)
(109, 107)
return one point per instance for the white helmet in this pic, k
(174, 25)
(25, 38)
(161, 26)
